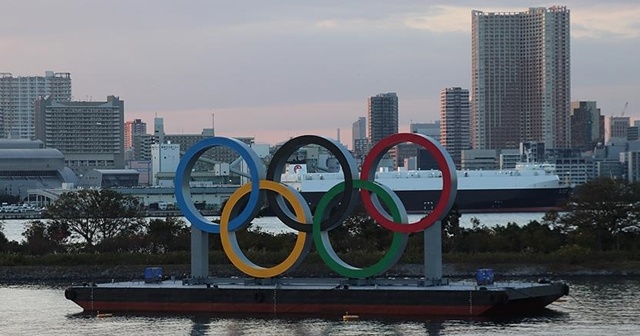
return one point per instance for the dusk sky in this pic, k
(277, 69)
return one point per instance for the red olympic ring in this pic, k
(449, 181)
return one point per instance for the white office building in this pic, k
(164, 159)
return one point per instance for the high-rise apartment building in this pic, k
(90, 134)
(382, 117)
(587, 125)
(17, 97)
(520, 78)
(382, 121)
(131, 128)
(455, 124)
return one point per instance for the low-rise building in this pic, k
(25, 168)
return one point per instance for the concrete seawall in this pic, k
(78, 274)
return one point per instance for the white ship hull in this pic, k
(529, 187)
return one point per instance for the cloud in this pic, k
(437, 19)
(605, 22)
(591, 19)
(441, 19)
(595, 21)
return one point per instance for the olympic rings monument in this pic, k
(315, 228)
(267, 290)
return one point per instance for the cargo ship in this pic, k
(529, 187)
(331, 298)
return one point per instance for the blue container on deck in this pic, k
(484, 276)
(152, 274)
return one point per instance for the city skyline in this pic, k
(286, 68)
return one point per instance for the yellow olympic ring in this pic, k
(230, 242)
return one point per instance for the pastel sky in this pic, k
(280, 68)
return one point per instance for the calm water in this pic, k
(273, 224)
(595, 307)
(13, 228)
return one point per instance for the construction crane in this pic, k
(624, 109)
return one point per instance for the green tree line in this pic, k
(600, 216)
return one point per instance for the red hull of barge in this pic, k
(329, 300)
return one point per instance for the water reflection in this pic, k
(432, 327)
(199, 326)
(596, 306)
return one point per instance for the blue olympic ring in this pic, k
(183, 190)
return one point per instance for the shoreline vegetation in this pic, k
(106, 267)
(67, 274)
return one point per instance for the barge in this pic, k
(406, 298)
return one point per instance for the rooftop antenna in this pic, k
(213, 124)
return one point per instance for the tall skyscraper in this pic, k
(131, 128)
(521, 78)
(382, 117)
(89, 134)
(587, 125)
(359, 136)
(455, 125)
(17, 97)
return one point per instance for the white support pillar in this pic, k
(433, 252)
(199, 253)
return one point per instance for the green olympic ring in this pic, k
(398, 243)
